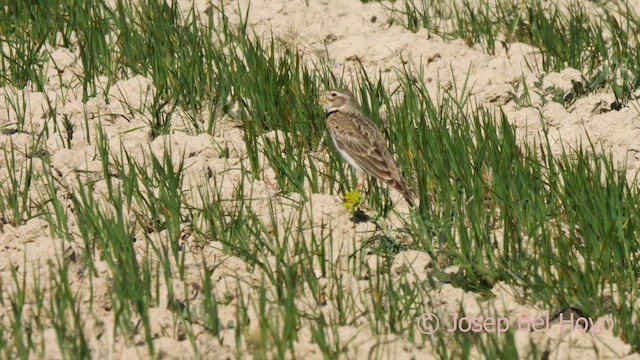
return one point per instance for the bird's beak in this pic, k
(322, 101)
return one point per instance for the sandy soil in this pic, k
(341, 31)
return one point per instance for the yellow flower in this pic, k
(352, 200)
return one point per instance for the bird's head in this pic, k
(338, 99)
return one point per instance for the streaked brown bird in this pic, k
(360, 142)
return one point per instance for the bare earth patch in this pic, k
(345, 34)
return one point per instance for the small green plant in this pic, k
(352, 200)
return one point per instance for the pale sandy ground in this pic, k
(355, 31)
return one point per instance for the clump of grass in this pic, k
(487, 181)
(16, 205)
(595, 43)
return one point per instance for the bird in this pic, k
(360, 142)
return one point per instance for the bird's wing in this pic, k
(363, 141)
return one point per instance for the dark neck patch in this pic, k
(328, 113)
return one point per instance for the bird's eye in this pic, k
(334, 94)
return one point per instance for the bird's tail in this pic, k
(406, 191)
(410, 198)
